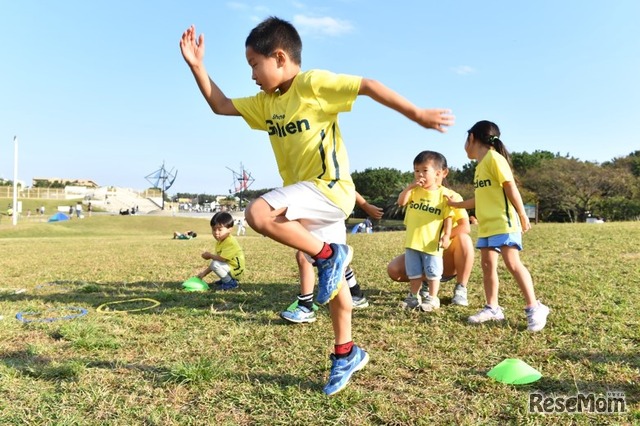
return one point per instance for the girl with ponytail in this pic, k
(501, 222)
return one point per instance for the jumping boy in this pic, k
(299, 111)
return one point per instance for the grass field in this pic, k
(228, 359)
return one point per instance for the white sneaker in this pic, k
(359, 302)
(424, 290)
(537, 317)
(487, 314)
(430, 304)
(460, 296)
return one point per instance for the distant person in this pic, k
(89, 209)
(501, 221)
(368, 225)
(242, 230)
(184, 235)
(70, 212)
(227, 261)
(429, 220)
(299, 111)
(79, 209)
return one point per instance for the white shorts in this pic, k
(306, 204)
(221, 269)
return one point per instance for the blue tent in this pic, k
(58, 217)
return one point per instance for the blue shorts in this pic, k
(418, 264)
(513, 239)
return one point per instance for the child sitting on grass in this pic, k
(228, 260)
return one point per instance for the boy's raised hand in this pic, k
(437, 119)
(192, 49)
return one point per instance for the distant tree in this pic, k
(617, 208)
(230, 202)
(252, 194)
(631, 162)
(188, 195)
(6, 182)
(570, 186)
(523, 161)
(463, 176)
(377, 185)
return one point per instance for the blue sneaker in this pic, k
(229, 285)
(343, 368)
(299, 315)
(331, 272)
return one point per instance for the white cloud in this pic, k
(322, 25)
(237, 5)
(464, 70)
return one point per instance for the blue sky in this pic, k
(98, 89)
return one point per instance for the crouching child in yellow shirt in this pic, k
(228, 260)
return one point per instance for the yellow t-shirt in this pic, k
(230, 249)
(457, 213)
(424, 218)
(303, 128)
(496, 215)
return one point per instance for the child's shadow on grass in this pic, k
(117, 297)
(43, 367)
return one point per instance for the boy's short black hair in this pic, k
(275, 33)
(438, 160)
(222, 218)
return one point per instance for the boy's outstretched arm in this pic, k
(437, 119)
(192, 49)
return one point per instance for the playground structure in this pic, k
(242, 180)
(162, 179)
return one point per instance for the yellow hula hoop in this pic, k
(102, 308)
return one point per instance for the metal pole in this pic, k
(15, 181)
